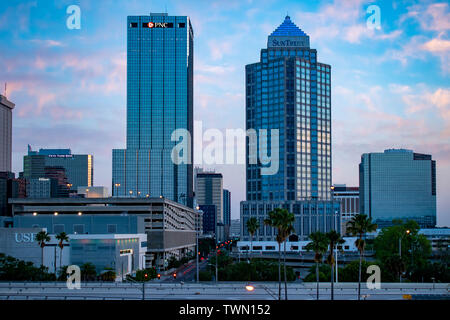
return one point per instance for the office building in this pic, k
(6, 108)
(398, 184)
(170, 226)
(209, 218)
(159, 101)
(209, 191)
(226, 212)
(310, 216)
(349, 199)
(42, 188)
(49, 163)
(235, 228)
(289, 90)
(9, 188)
(226, 207)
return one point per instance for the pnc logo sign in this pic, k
(160, 25)
(24, 237)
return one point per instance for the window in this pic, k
(58, 228)
(133, 25)
(181, 25)
(111, 228)
(78, 228)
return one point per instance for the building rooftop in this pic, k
(5, 102)
(288, 29)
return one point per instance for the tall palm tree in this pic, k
(358, 226)
(287, 228)
(252, 226)
(334, 239)
(282, 220)
(42, 237)
(318, 244)
(61, 237)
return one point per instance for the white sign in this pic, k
(25, 237)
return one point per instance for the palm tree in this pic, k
(252, 226)
(282, 220)
(61, 237)
(334, 239)
(359, 225)
(318, 244)
(42, 237)
(88, 271)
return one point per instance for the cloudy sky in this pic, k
(390, 86)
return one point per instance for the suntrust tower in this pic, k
(289, 90)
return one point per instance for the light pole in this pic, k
(117, 185)
(197, 226)
(337, 265)
(131, 193)
(400, 249)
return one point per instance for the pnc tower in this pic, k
(289, 90)
(159, 101)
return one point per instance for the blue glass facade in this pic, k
(159, 101)
(398, 184)
(226, 207)
(290, 90)
(209, 218)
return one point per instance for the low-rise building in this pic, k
(170, 226)
(310, 216)
(122, 253)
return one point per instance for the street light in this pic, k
(249, 287)
(117, 185)
(400, 248)
(131, 192)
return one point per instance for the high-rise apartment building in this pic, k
(159, 101)
(398, 184)
(289, 90)
(6, 108)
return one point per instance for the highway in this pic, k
(211, 291)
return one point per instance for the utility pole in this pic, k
(337, 265)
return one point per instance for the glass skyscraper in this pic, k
(289, 90)
(159, 101)
(398, 184)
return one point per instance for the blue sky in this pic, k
(390, 87)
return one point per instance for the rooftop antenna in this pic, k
(165, 7)
(5, 89)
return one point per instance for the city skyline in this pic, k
(67, 72)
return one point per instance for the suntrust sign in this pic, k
(284, 42)
(24, 237)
